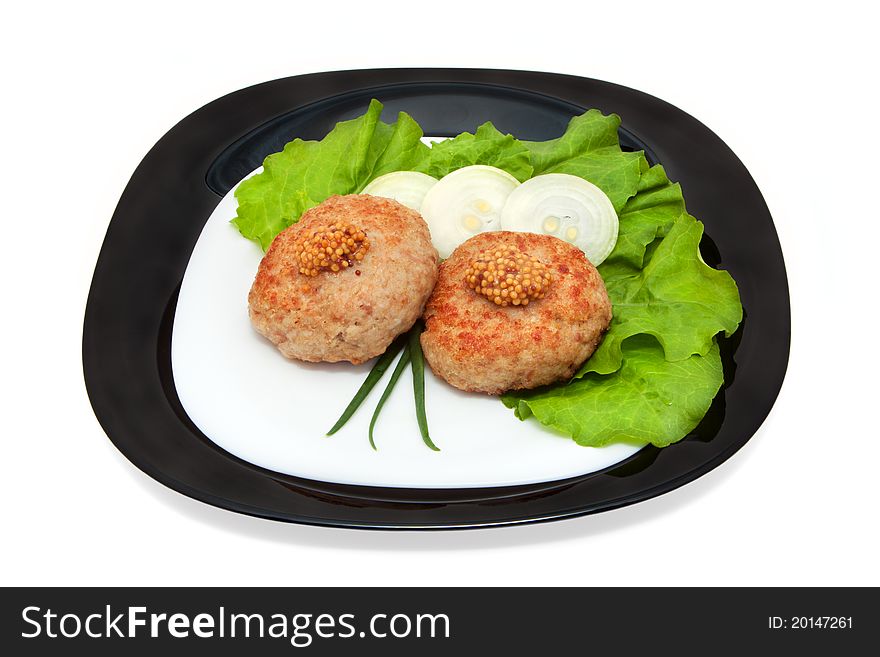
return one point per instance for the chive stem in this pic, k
(395, 375)
(418, 370)
(369, 383)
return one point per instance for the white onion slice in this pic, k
(466, 202)
(567, 207)
(405, 187)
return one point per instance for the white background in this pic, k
(88, 89)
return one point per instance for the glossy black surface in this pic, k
(129, 316)
(440, 108)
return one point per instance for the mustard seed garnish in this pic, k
(331, 248)
(507, 276)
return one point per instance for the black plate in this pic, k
(127, 332)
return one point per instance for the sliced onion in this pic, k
(466, 202)
(567, 207)
(405, 187)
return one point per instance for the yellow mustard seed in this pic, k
(507, 276)
(331, 248)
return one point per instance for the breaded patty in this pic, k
(478, 345)
(345, 280)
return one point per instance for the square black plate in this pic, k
(130, 310)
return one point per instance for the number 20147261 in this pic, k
(810, 622)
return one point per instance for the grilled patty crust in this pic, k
(340, 284)
(478, 344)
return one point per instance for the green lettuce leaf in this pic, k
(677, 298)
(614, 172)
(308, 172)
(590, 149)
(648, 400)
(645, 217)
(486, 146)
(591, 131)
